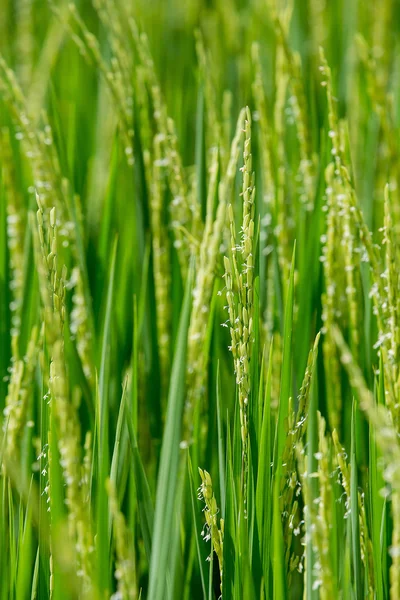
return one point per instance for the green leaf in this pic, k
(354, 512)
(286, 382)
(145, 504)
(169, 460)
(102, 406)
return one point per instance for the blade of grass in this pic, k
(168, 470)
(102, 540)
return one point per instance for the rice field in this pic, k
(200, 300)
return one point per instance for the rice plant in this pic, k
(199, 300)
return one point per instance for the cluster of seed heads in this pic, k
(239, 267)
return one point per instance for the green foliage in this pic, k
(199, 299)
